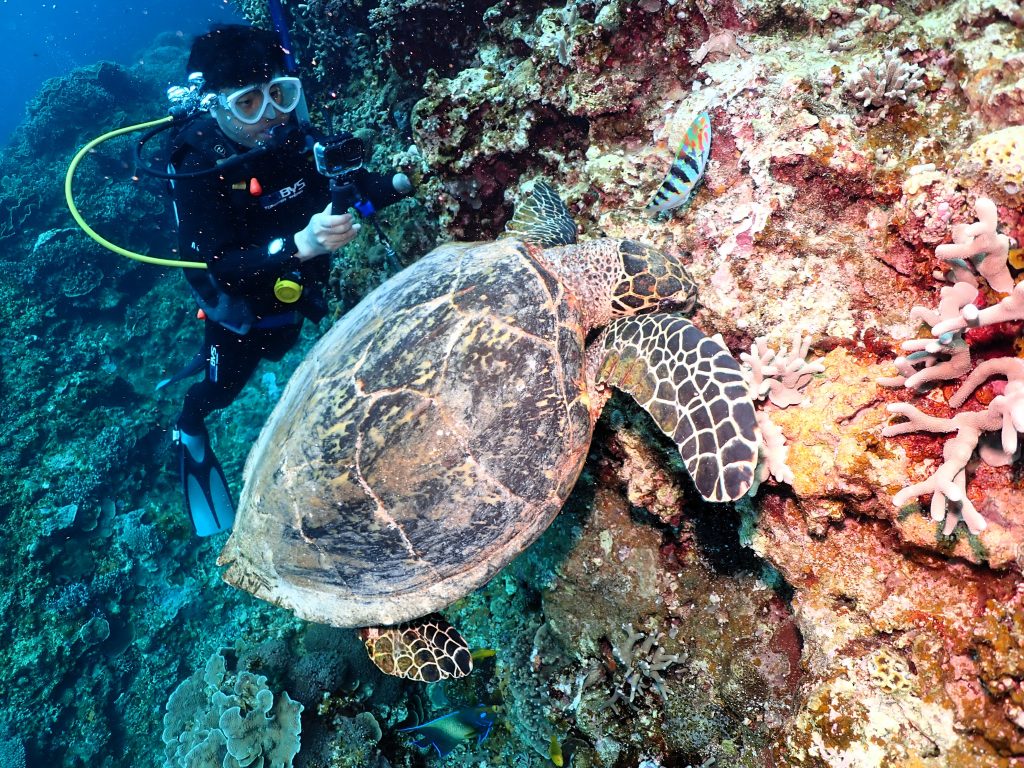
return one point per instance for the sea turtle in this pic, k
(435, 430)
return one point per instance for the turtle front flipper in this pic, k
(427, 649)
(694, 390)
(542, 219)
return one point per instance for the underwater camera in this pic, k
(187, 100)
(340, 158)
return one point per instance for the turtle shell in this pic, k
(430, 436)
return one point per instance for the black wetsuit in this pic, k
(228, 220)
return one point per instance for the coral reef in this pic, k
(819, 215)
(814, 624)
(977, 248)
(231, 717)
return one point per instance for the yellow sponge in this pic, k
(996, 162)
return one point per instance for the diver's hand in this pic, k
(325, 233)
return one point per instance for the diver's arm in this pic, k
(324, 233)
(383, 189)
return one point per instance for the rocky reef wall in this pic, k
(850, 139)
(816, 623)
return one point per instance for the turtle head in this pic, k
(651, 281)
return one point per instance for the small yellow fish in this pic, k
(555, 752)
(483, 653)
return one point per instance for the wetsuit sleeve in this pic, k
(378, 189)
(208, 231)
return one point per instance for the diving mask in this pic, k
(248, 105)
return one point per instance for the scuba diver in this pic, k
(250, 189)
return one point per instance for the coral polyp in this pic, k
(635, 674)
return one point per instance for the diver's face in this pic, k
(245, 134)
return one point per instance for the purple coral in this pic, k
(892, 82)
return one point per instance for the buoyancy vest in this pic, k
(203, 138)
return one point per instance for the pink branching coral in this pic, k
(1005, 414)
(977, 247)
(780, 376)
(980, 245)
(1009, 309)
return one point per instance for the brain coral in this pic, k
(230, 718)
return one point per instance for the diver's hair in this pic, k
(236, 55)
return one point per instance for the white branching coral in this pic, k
(1009, 309)
(930, 360)
(992, 433)
(780, 376)
(981, 247)
(639, 662)
(1005, 415)
(892, 82)
(977, 250)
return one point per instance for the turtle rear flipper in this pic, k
(694, 390)
(427, 649)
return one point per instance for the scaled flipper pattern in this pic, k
(542, 219)
(694, 390)
(427, 649)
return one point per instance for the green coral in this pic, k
(356, 746)
(231, 719)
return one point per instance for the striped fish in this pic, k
(687, 169)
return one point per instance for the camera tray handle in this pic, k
(345, 195)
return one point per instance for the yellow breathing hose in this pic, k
(89, 230)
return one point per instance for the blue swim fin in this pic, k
(207, 496)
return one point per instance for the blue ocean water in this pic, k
(43, 39)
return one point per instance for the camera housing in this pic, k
(187, 100)
(338, 157)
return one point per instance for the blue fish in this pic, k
(445, 733)
(687, 169)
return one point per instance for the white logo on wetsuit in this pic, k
(214, 363)
(274, 199)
